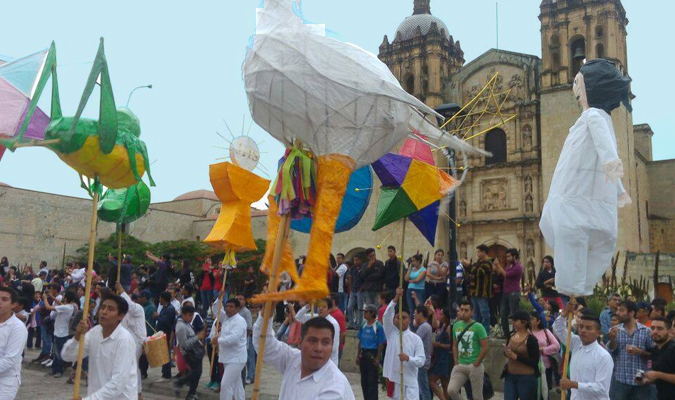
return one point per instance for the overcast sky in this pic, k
(192, 52)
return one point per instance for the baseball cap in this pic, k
(370, 307)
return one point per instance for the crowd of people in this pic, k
(447, 317)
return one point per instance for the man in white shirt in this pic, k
(323, 310)
(341, 271)
(111, 352)
(307, 371)
(134, 322)
(591, 365)
(412, 355)
(187, 291)
(13, 336)
(249, 376)
(61, 314)
(231, 350)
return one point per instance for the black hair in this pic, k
(189, 288)
(555, 307)
(536, 315)
(166, 296)
(659, 307)
(340, 255)
(418, 257)
(446, 312)
(550, 259)
(514, 253)
(422, 310)
(71, 296)
(385, 296)
(20, 301)
(391, 248)
(122, 305)
(659, 301)
(187, 309)
(439, 251)
(630, 306)
(671, 316)
(317, 323)
(588, 315)
(668, 323)
(234, 301)
(369, 251)
(464, 303)
(483, 248)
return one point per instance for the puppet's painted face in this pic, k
(579, 89)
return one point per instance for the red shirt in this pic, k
(340, 318)
(380, 313)
(206, 283)
(218, 277)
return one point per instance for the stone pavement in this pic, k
(37, 386)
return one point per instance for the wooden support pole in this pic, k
(400, 305)
(87, 293)
(282, 238)
(119, 253)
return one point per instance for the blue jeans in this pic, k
(252, 359)
(342, 304)
(351, 306)
(207, 300)
(46, 341)
(57, 365)
(360, 301)
(481, 312)
(523, 387)
(411, 303)
(423, 384)
(621, 391)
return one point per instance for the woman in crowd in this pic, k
(440, 359)
(522, 351)
(415, 278)
(549, 348)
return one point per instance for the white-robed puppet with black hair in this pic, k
(580, 217)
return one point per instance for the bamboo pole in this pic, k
(400, 306)
(119, 253)
(568, 343)
(282, 238)
(87, 293)
(217, 314)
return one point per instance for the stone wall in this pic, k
(661, 234)
(642, 265)
(662, 188)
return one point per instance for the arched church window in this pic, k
(599, 32)
(599, 51)
(578, 55)
(495, 143)
(410, 85)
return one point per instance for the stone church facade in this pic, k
(501, 201)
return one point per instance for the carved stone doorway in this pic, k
(499, 251)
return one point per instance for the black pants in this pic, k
(193, 375)
(143, 365)
(166, 368)
(369, 374)
(215, 371)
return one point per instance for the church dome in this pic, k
(198, 194)
(409, 26)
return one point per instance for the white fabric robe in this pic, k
(580, 217)
(412, 346)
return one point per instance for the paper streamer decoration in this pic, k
(354, 204)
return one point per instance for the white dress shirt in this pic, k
(591, 366)
(232, 339)
(112, 363)
(62, 316)
(412, 346)
(341, 271)
(303, 316)
(13, 336)
(134, 321)
(328, 383)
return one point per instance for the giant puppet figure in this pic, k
(580, 218)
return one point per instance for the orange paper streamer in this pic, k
(333, 173)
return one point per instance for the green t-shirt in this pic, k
(469, 347)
